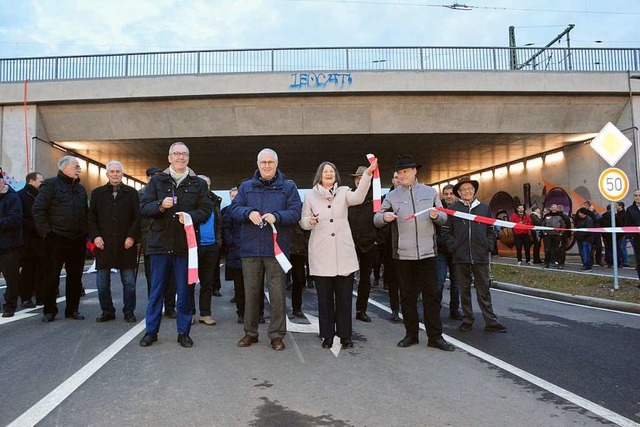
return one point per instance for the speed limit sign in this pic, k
(613, 184)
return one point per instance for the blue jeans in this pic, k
(623, 254)
(162, 266)
(444, 263)
(103, 283)
(585, 253)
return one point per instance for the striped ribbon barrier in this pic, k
(280, 257)
(509, 224)
(377, 186)
(192, 245)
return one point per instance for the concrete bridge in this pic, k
(454, 122)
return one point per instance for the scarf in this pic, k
(178, 177)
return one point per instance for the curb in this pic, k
(576, 299)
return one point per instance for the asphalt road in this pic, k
(558, 365)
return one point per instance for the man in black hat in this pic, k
(364, 236)
(470, 243)
(414, 251)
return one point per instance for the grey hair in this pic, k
(447, 187)
(318, 178)
(268, 151)
(64, 161)
(206, 179)
(176, 144)
(114, 163)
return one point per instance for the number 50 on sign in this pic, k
(613, 184)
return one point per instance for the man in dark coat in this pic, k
(364, 236)
(60, 213)
(633, 220)
(32, 253)
(114, 227)
(10, 243)
(167, 198)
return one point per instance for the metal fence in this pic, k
(319, 59)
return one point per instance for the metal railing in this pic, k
(319, 59)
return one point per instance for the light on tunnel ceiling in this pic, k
(476, 177)
(93, 170)
(535, 163)
(83, 164)
(516, 168)
(553, 158)
(501, 172)
(487, 175)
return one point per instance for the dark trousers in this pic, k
(170, 289)
(238, 287)
(420, 277)
(217, 284)
(208, 257)
(298, 279)
(635, 241)
(390, 277)
(365, 260)
(335, 296)
(480, 274)
(597, 248)
(551, 249)
(10, 268)
(522, 240)
(32, 273)
(70, 253)
(163, 267)
(537, 243)
(445, 263)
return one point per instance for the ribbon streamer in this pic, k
(377, 186)
(280, 257)
(192, 244)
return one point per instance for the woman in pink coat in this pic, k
(332, 254)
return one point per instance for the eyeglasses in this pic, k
(267, 163)
(466, 190)
(180, 154)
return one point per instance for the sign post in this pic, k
(611, 144)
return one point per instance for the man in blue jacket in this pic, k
(268, 198)
(10, 243)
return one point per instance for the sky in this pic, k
(35, 28)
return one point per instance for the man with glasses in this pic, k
(267, 198)
(60, 214)
(470, 243)
(633, 219)
(166, 199)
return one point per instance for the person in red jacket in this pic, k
(521, 237)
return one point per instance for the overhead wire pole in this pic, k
(548, 45)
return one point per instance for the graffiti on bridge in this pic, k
(320, 80)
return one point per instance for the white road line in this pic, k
(295, 347)
(552, 388)
(30, 312)
(37, 412)
(589, 273)
(563, 302)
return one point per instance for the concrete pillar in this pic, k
(14, 147)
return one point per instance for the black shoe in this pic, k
(466, 327)
(261, 320)
(170, 313)
(28, 304)
(441, 344)
(361, 315)
(298, 313)
(75, 316)
(148, 339)
(216, 293)
(185, 341)
(8, 313)
(105, 317)
(346, 343)
(240, 319)
(327, 343)
(385, 286)
(83, 292)
(39, 302)
(130, 318)
(395, 316)
(408, 341)
(495, 328)
(232, 300)
(455, 315)
(48, 318)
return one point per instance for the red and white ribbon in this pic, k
(509, 224)
(280, 257)
(377, 186)
(192, 245)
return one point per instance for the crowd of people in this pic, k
(330, 237)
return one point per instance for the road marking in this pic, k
(37, 412)
(295, 347)
(29, 312)
(545, 385)
(589, 273)
(563, 302)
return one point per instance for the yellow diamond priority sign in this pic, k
(611, 144)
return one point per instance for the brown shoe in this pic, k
(247, 340)
(277, 344)
(207, 320)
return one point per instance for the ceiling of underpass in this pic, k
(228, 160)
